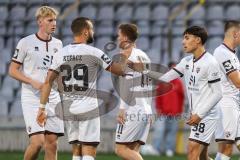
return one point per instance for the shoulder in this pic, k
(138, 52)
(56, 40)
(211, 60)
(220, 52)
(94, 50)
(187, 59)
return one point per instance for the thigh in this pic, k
(30, 111)
(53, 124)
(132, 131)
(227, 125)
(89, 131)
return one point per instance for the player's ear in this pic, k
(199, 40)
(39, 21)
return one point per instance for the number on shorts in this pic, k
(120, 129)
(200, 128)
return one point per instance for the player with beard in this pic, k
(77, 67)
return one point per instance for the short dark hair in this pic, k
(130, 30)
(79, 24)
(231, 23)
(197, 31)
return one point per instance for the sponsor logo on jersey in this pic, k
(187, 66)
(228, 66)
(106, 59)
(47, 59)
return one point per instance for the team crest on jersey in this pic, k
(55, 50)
(228, 66)
(198, 69)
(29, 128)
(227, 134)
(36, 49)
(16, 53)
(105, 58)
(187, 66)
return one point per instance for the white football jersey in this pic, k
(228, 62)
(78, 66)
(36, 57)
(136, 87)
(198, 73)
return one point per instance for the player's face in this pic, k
(121, 39)
(190, 43)
(90, 33)
(237, 36)
(48, 24)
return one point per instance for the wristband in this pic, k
(42, 106)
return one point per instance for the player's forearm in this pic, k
(45, 92)
(18, 75)
(169, 76)
(212, 100)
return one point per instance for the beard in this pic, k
(90, 39)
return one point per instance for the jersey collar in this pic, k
(195, 60)
(233, 51)
(43, 39)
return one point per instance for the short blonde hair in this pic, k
(45, 11)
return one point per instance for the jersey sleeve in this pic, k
(179, 68)
(103, 59)
(214, 73)
(226, 62)
(55, 66)
(20, 52)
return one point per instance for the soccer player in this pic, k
(34, 54)
(201, 74)
(77, 65)
(226, 132)
(133, 120)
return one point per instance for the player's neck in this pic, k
(198, 52)
(79, 40)
(44, 36)
(229, 43)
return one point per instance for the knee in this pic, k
(51, 145)
(36, 145)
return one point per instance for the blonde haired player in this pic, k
(34, 54)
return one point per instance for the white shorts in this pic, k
(227, 127)
(53, 123)
(135, 129)
(84, 132)
(203, 132)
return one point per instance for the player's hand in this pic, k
(126, 47)
(193, 120)
(121, 118)
(41, 117)
(36, 85)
